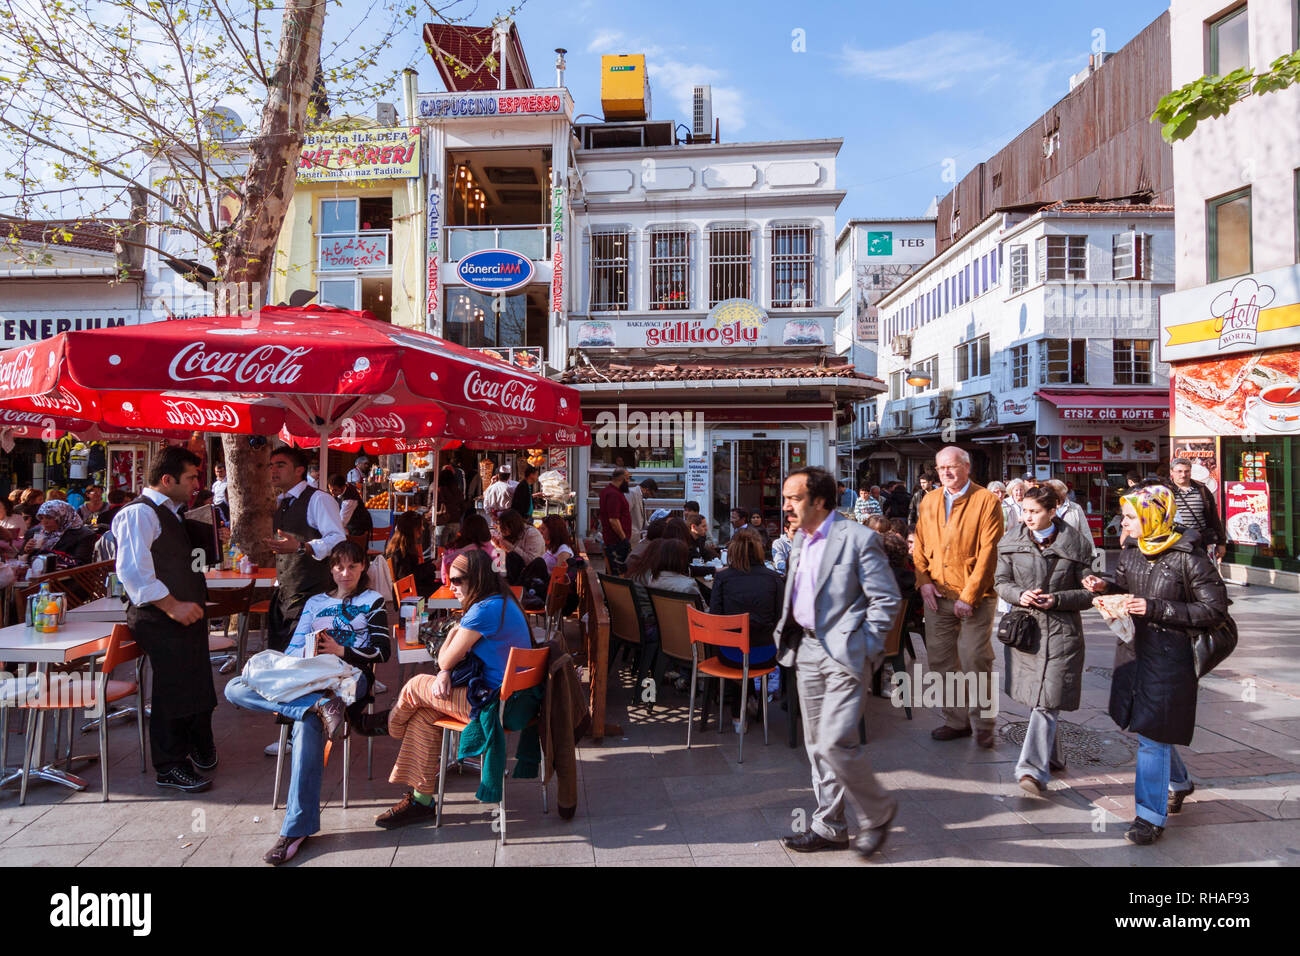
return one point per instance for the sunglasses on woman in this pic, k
(456, 580)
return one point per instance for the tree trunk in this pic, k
(244, 258)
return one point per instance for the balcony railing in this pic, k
(369, 251)
(530, 241)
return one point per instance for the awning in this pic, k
(1113, 405)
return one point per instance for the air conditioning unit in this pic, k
(969, 409)
(902, 420)
(941, 405)
(702, 114)
(386, 114)
(902, 345)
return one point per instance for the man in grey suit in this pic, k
(840, 601)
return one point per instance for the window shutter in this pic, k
(1042, 260)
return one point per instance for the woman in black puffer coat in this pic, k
(1176, 591)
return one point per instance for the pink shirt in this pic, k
(805, 578)
(450, 555)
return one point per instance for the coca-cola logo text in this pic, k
(379, 423)
(510, 394)
(58, 401)
(264, 365)
(10, 417)
(192, 415)
(17, 373)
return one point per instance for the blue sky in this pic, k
(906, 85)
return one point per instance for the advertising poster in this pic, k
(1125, 448)
(1203, 453)
(1248, 517)
(359, 155)
(1247, 393)
(1081, 453)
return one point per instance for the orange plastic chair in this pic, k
(524, 669)
(724, 630)
(405, 588)
(88, 691)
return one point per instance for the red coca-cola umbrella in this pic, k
(312, 371)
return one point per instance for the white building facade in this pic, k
(1033, 342)
(1232, 328)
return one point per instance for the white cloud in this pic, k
(605, 41)
(935, 62)
(676, 81)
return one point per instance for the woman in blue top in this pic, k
(492, 622)
(348, 622)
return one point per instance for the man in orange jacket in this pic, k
(956, 554)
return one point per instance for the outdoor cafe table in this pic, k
(105, 610)
(416, 653)
(73, 641)
(265, 577)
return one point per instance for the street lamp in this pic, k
(918, 378)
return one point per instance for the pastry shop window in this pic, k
(611, 256)
(1258, 492)
(670, 269)
(731, 256)
(794, 267)
(472, 321)
(1132, 361)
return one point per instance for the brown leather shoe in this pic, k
(405, 811)
(985, 739)
(1031, 786)
(949, 733)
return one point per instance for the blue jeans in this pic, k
(1159, 771)
(302, 809)
(1041, 748)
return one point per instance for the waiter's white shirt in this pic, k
(346, 507)
(136, 529)
(323, 515)
(219, 487)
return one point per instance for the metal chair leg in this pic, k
(103, 754)
(764, 691)
(279, 765)
(501, 809)
(442, 779)
(35, 724)
(690, 713)
(744, 710)
(347, 761)
(139, 714)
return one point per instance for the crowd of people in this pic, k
(957, 560)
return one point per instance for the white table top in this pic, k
(22, 644)
(222, 584)
(108, 610)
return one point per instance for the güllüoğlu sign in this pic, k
(360, 154)
(495, 270)
(739, 326)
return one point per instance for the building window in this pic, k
(1130, 256)
(1062, 258)
(610, 255)
(1229, 42)
(1132, 361)
(793, 267)
(929, 367)
(973, 359)
(1063, 362)
(670, 269)
(1019, 268)
(1227, 224)
(1020, 366)
(730, 258)
(895, 386)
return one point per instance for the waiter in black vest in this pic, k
(307, 527)
(156, 563)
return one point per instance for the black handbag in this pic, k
(1018, 629)
(1212, 646)
(433, 634)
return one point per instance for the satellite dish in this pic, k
(223, 123)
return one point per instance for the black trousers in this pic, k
(173, 739)
(183, 693)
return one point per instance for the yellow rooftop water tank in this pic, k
(624, 89)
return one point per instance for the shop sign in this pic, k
(1115, 414)
(23, 327)
(697, 479)
(473, 105)
(529, 357)
(1011, 407)
(557, 254)
(1081, 449)
(1095, 526)
(1043, 449)
(1244, 314)
(362, 154)
(431, 249)
(743, 326)
(1125, 448)
(495, 270)
(353, 252)
(1253, 393)
(1247, 509)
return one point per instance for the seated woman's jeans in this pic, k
(302, 808)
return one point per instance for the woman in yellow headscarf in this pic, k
(1174, 591)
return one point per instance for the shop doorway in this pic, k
(748, 471)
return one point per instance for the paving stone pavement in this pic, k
(645, 800)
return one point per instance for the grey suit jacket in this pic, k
(857, 597)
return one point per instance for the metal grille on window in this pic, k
(670, 269)
(609, 271)
(1132, 361)
(730, 251)
(793, 258)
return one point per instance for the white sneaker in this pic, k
(273, 750)
(380, 687)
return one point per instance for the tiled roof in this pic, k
(98, 235)
(701, 371)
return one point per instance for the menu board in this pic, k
(1248, 516)
(1127, 448)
